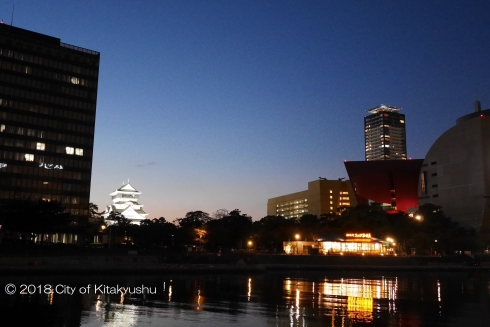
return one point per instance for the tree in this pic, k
(193, 219)
(156, 232)
(220, 213)
(95, 220)
(271, 231)
(34, 218)
(230, 231)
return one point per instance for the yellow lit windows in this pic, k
(79, 152)
(2, 128)
(29, 157)
(40, 146)
(75, 80)
(70, 150)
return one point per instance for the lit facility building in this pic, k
(125, 202)
(456, 172)
(48, 94)
(322, 197)
(385, 134)
(348, 244)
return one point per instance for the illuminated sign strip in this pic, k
(358, 235)
(50, 166)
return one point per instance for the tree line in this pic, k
(233, 230)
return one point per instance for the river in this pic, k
(273, 299)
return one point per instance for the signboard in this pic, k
(50, 166)
(358, 237)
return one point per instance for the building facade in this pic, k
(390, 182)
(125, 202)
(322, 197)
(48, 94)
(385, 134)
(456, 172)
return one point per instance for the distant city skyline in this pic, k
(205, 105)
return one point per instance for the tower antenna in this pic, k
(12, 20)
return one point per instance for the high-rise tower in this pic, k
(48, 94)
(385, 135)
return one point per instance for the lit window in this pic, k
(2, 128)
(330, 191)
(29, 157)
(40, 146)
(79, 152)
(331, 197)
(75, 80)
(70, 150)
(331, 202)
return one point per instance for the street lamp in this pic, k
(297, 238)
(103, 227)
(249, 244)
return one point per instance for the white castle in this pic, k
(125, 202)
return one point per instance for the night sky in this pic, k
(205, 105)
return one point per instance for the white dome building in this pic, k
(125, 202)
(456, 172)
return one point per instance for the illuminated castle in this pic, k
(125, 202)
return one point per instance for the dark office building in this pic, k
(48, 95)
(385, 134)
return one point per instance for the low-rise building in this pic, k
(323, 196)
(348, 244)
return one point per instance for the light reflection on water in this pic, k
(356, 299)
(296, 299)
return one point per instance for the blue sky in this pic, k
(205, 105)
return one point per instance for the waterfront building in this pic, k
(48, 95)
(456, 172)
(125, 202)
(323, 196)
(348, 244)
(385, 134)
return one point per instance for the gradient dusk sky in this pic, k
(205, 105)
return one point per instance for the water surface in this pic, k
(272, 299)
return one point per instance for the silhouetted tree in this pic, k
(34, 218)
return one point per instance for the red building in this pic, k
(392, 181)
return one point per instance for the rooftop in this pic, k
(383, 108)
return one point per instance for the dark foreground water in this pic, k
(273, 299)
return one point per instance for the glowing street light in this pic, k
(297, 238)
(103, 227)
